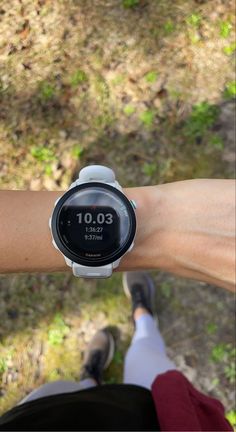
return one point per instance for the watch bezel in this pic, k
(99, 261)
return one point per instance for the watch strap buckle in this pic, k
(92, 272)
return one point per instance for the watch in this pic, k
(93, 223)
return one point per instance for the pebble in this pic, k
(49, 184)
(62, 134)
(35, 184)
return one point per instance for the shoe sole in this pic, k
(111, 350)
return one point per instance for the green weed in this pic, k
(166, 289)
(46, 91)
(5, 359)
(43, 154)
(216, 142)
(77, 151)
(129, 110)
(230, 372)
(58, 330)
(219, 353)
(118, 358)
(225, 354)
(3, 365)
(231, 417)
(225, 29)
(201, 119)
(147, 117)
(215, 382)
(169, 27)
(118, 80)
(103, 120)
(230, 90)
(194, 37)
(229, 49)
(48, 169)
(111, 380)
(102, 90)
(194, 20)
(211, 328)
(129, 4)
(79, 77)
(151, 77)
(149, 169)
(54, 375)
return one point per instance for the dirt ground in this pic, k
(148, 88)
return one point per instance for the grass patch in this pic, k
(149, 169)
(147, 117)
(129, 4)
(58, 331)
(219, 353)
(151, 77)
(216, 142)
(77, 151)
(79, 77)
(3, 365)
(201, 119)
(231, 417)
(104, 120)
(169, 27)
(225, 29)
(119, 79)
(230, 372)
(194, 20)
(46, 91)
(211, 328)
(129, 110)
(229, 49)
(166, 289)
(42, 154)
(230, 90)
(45, 156)
(226, 355)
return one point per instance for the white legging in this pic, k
(145, 359)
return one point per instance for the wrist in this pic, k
(149, 244)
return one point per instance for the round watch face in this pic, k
(93, 224)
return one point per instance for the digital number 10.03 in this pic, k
(100, 218)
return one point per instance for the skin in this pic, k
(186, 228)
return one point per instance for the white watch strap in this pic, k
(92, 272)
(97, 172)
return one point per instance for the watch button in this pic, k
(54, 244)
(57, 201)
(131, 247)
(133, 203)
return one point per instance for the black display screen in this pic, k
(95, 229)
(93, 224)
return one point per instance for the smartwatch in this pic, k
(93, 223)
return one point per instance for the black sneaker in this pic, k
(140, 288)
(98, 355)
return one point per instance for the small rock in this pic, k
(35, 184)
(49, 184)
(67, 160)
(62, 134)
(130, 42)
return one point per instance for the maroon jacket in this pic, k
(180, 407)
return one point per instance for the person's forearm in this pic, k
(190, 231)
(186, 228)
